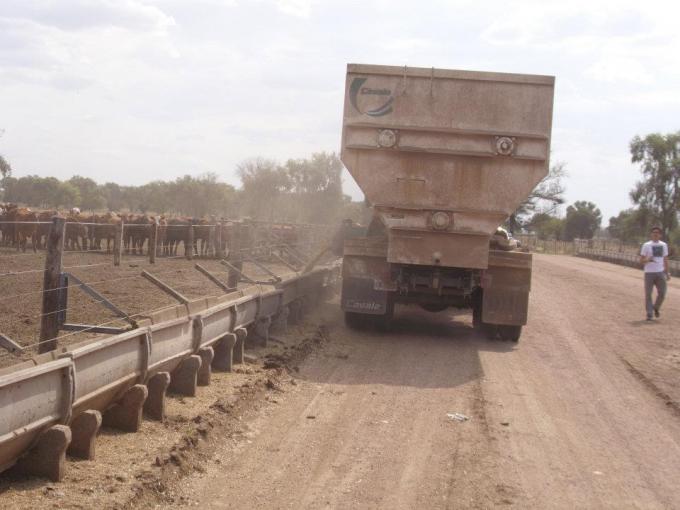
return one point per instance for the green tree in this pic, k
(5, 167)
(582, 221)
(546, 226)
(114, 198)
(631, 225)
(91, 196)
(316, 187)
(263, 182)
(659, 189)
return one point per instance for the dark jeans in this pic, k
(652, 280)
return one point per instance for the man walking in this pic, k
(654, 256)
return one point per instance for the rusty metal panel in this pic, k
(507, 283)
(518, 259)
(368, 268)
(437, 249)
(106, 368)
(452, 151)
(366, 247)
(31, 400)
(170, 343)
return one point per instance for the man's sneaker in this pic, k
(649, 317)
(656, 312)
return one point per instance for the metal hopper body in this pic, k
(445, 156)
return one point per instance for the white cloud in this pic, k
(299, 8)
(134, 90)
(88, 14)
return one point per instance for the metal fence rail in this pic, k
(624, 258)
(606, 250)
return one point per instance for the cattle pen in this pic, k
(99, 335)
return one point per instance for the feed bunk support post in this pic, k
(165, 287)
(84, 429)
(241, 276)
(154, 405)
(275, 278)
(49, 321)
(217, 282)
(10, 345)
(223, 349)
(100, 299)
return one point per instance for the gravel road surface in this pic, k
(584, 412)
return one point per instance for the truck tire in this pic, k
(355, 320)
(510, 333)
(477, 317)
(490, 331)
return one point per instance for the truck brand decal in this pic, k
(356, 88)
(363, 305)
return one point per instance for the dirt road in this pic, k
(583, 412)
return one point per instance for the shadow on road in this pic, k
(422, 349)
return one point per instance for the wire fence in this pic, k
(107, 280)
(606, 250)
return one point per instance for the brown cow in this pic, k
(105, 228)
(24, 226)
(76, 235)
(44, 217)
(176, 230)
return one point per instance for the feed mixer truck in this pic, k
(443, 157)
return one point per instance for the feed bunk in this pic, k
(59, 399)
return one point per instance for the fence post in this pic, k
(117, 243)
(235, 256)
(218, 240)
(153, 241)
(189, 244)
(49, 321)
(211, 242)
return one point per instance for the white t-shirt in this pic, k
(657, 250)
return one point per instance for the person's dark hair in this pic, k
(657, 229)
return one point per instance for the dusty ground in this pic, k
(146, 468)
(583, 413)
(21, 283)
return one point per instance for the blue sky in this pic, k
(133, 90)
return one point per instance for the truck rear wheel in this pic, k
(510, 333)
(477, 317)
(355, 320)
(490, 331)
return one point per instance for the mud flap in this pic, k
(359, 296)
(506, 285)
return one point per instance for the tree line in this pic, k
(656, 199)
(307, 190)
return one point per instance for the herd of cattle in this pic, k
(18, 225)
